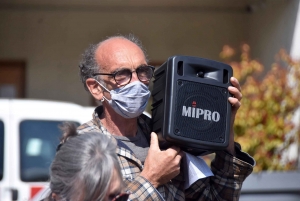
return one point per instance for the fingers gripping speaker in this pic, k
(190, 104)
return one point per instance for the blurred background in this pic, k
(41, 43)
(46, 38)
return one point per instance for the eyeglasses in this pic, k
(123, 76)
(121, 197)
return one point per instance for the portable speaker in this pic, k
(190, 104)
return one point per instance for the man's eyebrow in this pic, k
(142, 65)
(118, 69)
(122, 68)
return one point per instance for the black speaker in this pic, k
(190, 104)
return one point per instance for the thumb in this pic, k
(154, 141)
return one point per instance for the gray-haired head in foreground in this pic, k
(83, 166)
(88, 65)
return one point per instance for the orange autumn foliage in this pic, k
(264, 124)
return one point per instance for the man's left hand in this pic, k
(235, 90)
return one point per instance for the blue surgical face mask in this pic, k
(129, 101)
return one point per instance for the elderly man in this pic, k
(115, 71)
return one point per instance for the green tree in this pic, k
(264, 124)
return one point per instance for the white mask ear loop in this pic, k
(102, 85)
(103, 97)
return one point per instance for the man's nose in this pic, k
(134, 77)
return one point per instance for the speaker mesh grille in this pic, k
(207, 100)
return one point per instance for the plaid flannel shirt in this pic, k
(229, 172)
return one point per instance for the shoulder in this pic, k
(88, 127)
(92, 125)
(145, 123)
(145, 118)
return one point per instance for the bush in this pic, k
(264, 124)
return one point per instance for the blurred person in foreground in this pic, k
(85, 168)
(115, 71)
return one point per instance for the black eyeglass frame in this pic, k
(136, 70)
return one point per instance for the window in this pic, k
(1, 149)
(38, 141)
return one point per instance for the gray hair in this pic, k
(88, 64)
(83, 166)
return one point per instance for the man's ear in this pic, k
(94, 88)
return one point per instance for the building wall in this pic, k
(51, 39)
(271, 27)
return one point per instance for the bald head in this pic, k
(110, 51)
(117, 52)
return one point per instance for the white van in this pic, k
(29, 135)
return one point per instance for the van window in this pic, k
(38, 142)
(1, 149)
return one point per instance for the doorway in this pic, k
(12, 79)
